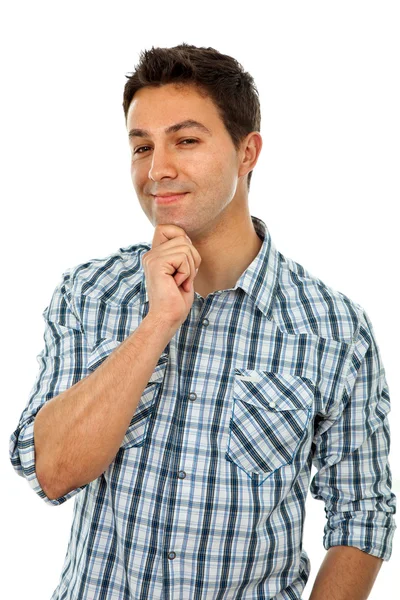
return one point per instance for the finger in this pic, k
(182, 242)
(192, 269)
(171, 235)
(196, 255)
(189, 250)
(165, 232)
(183, 272)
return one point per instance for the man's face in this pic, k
(207, 168)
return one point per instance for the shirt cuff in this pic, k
(26, 451)
(370, 531)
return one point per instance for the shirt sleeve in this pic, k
(62, 363)
(351, 456)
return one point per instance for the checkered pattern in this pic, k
(205, 498)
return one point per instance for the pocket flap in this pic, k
(159, 370)
(103, 348)
(273, 391)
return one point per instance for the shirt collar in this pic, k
(259, 281)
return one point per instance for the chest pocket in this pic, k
(270, 417)
(138, 427)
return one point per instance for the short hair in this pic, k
(216, 75)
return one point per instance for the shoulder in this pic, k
(113, 278)
(307, 304)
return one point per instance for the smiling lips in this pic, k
(168, 199)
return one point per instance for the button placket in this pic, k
(192, 396)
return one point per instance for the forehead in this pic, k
(154, 108)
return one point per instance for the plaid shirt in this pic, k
(205, 498)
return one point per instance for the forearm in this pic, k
(78, 433)
(346, 573)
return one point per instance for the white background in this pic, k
(326, 184)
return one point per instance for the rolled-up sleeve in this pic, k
(62, 363)
(351, 455)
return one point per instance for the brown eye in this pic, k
(141, 148)
(137, 151)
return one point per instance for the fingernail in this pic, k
(196, 270)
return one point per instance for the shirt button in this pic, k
(272, 404)
(192, 396)
(205, 322)
(181, 474)
(171, 555)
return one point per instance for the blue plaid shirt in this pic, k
(205, 498)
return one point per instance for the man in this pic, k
(187, 387)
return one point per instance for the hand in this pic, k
(170, 268)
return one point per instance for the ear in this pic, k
(251, 148)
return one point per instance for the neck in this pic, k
(225, 255)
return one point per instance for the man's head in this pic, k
(212, 164)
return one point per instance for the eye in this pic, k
(189, 140)
(141, 148)
(181, 142)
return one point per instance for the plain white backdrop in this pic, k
(326, 184)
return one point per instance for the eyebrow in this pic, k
(172, 129)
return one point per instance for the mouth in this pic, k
(168, 199)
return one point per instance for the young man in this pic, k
(187, 387)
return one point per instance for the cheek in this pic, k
(219, 173)
(207, 169)
(139, 177)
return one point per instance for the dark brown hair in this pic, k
(216, 75)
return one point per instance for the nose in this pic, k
(162, 165)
